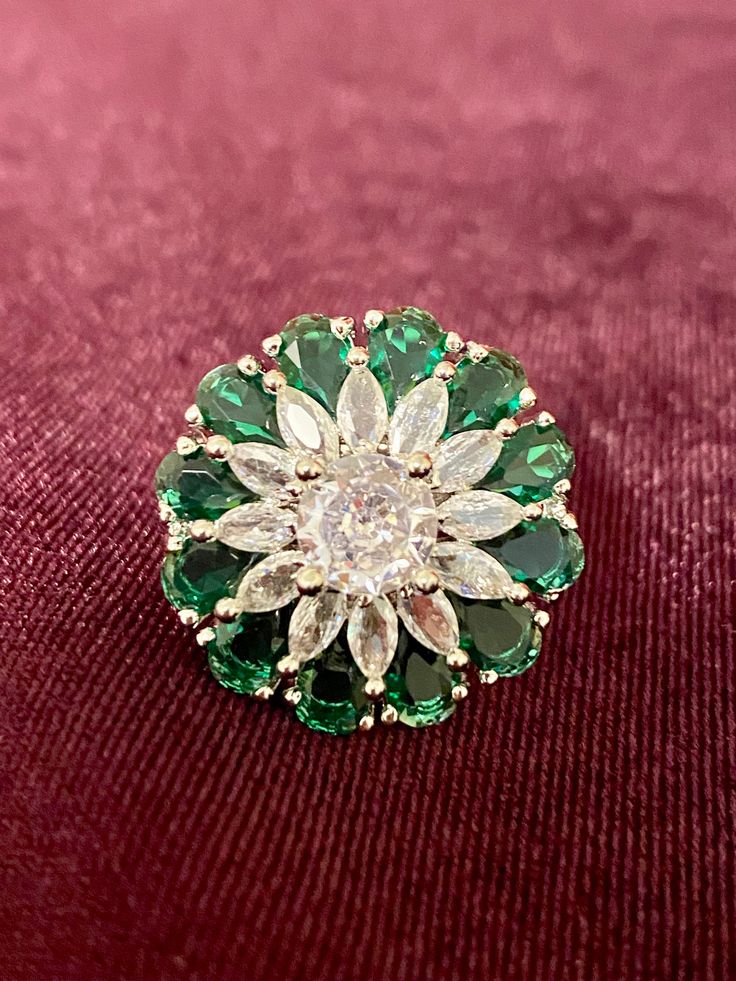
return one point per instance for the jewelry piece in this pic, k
(354, 528)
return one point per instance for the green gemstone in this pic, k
(243, 655)
(313, 358)
(532, 461)
(197, 487)
(541, 554)
(237, 407)
(332, 692)
(404, 349)
(498, 635)
(419, 684)
(201, 573)
(483, 393)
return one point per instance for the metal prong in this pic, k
(357, 357)
(227, 609)
(444, 371)
(389, 715)
(545, 420)
(426, 581)
(292, 696)
(527, 398)
(457, 660)
(288, 667)
(533, 512)
(454, 342)
(202, 530)
(518, 593)
(185, 446)
(562, 486)
(174, 543)
(419, 464)
(541, 618)
(309, 581)
(459, 692)
(308, 469)
(193, 416)
(271, 345)
(263, 693)
(190, 618)
(488, 677)
(506, 428)
(217, 447)
(274, 381)
(366, 723)
(248, 366)
(205, 636)
(374, 689)
(342, 327)
(373, 319)
(477, 352)
(569, 521)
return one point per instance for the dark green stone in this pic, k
(404, 350)
(201, 573)
(332, 691)
(483, 393)
(498, 635)
(197, 487)
(541, 554)
(313, 359)
(237, 407)
(419, 684)
(532, 461)
(244, 654)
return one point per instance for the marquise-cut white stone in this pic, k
(470, 572)
(262, 468)
(478, 515)
(362, 414)
(431, 619)
(259, 527)
(270, 584)
(305, 426)
(464, 459)
(373, 632)
(419, 419)
(315, 623)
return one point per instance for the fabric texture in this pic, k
(177, 179)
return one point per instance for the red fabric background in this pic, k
(176, 180)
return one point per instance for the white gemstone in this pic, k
(419, 419)
(315, 623)
(262, 468)
(464, 459)
(259, 527)
(270, 584)
(479, 515)
(470, 572)
(305, 426)
(361, 410)
(373, 632)
(367, 526)
(431, 619)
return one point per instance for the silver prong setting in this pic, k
(271, 346)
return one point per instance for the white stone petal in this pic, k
(431, 619)
(373, 632)
(270, 584)
(315, 623)
(262, 468)
(478, 515)
(362, 414)
(259, 527)
(305, 426)
(419, 419)
(464, 459)
(470, 572)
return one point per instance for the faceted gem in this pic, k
(532, 461)
(482, 393)
(197, 487)
(464, 459)
(431, 620)
(259, 527)
(305, 425)
(404, 349)
(362, 414)
(332, 692)
(419, 684)
(270, 584)
(262, 469)
(366, 526)
(476, 515)
(244, 654)
(201, 574)
(313, 358)
(315, 624)
(237, 407)
(498, 635)
(419, 419)
(469, 571)
(541, 554)
(373, 632)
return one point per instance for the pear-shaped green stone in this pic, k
(244, 654)
(498, 635)
(195, 486)
(419, 684)
(332, 697)
(542, 554)
(484, 392)
(236, 406)
(201, 573)
(404, 349)
(313, 359)
(532, 461)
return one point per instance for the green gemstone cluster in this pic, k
(201, 496)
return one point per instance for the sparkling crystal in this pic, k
(237, 407)
(431, 619)
(478, 515)
(312, 358)
(270, 584)
(315, 623)
(465, 570)
(305, 426)
(497, 635)
(195, 486)
(464, 459)
(483, 393)
(361, 411)
(419, 419)
(531, 462)
(332, 691)
(373, 631)
(367, 526)
(244, 654)
(261, 468)
(404, 349)
(201, 573)
(259, 527)
(541, 554)
(419, 684)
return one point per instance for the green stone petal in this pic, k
(498, 635)
(201, 573)
(244, 654)
(483, 393)
(404, 350)
(532, 461)
(195, 486)
(419, 684)
(313, 359)
(542, 554)
(237, 407)
(332, 697)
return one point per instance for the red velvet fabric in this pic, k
(176, 180)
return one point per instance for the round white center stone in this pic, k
(367, 525)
